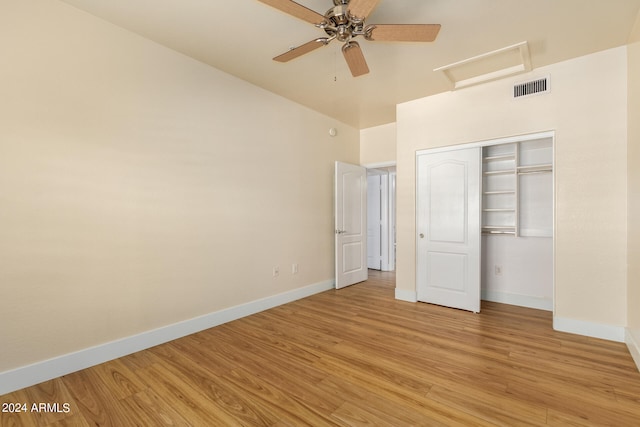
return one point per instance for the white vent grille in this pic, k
(530, 88)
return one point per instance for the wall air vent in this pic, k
(531, 88)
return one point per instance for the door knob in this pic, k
(422, 235)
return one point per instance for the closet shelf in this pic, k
(499, 229)
(500, 172)
(509, 192)
(535, 169)
(499, 158)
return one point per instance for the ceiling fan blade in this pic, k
(403, 32)
(360, 9)
(295, 9)
(355, 59)
(301, 50)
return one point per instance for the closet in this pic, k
(485, 223)
(517, 188)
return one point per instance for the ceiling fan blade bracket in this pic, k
(359, 10)
(355, 19)
(328, 28)
(367, 32)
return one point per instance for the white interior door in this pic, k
(374, 222)
(351, 224)
(448, 226)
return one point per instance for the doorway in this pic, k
(381, 224)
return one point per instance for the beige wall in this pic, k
(587, 109)
(635, 31)
(633, 166)
(139, 187)
(378, 145)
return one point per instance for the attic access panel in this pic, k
(489, 66)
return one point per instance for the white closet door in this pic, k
(448, 226)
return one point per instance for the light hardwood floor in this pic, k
(357, 357)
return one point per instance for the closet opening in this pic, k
(485, 223)
(517, 222)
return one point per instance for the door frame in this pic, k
(487, 143)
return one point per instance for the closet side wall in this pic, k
(633, 298)
(587, 109)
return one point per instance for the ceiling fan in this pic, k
(345, 21)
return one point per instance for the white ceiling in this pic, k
(241, 36)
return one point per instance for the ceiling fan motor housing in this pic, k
(340, 24)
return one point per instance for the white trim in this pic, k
(589, 329)
(632, 338)
(384, 222)
(409, 296)
(29, 375)
(519, 300)
(391, 239)
(380, 165)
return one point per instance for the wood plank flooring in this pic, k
(355, 357)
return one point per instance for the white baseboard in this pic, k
(632, 338)
(589, 329)
(409, 296)
(519, 300)
(29, 375)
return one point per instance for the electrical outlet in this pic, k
(294, 268)
(497, 270)
(276, 271)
